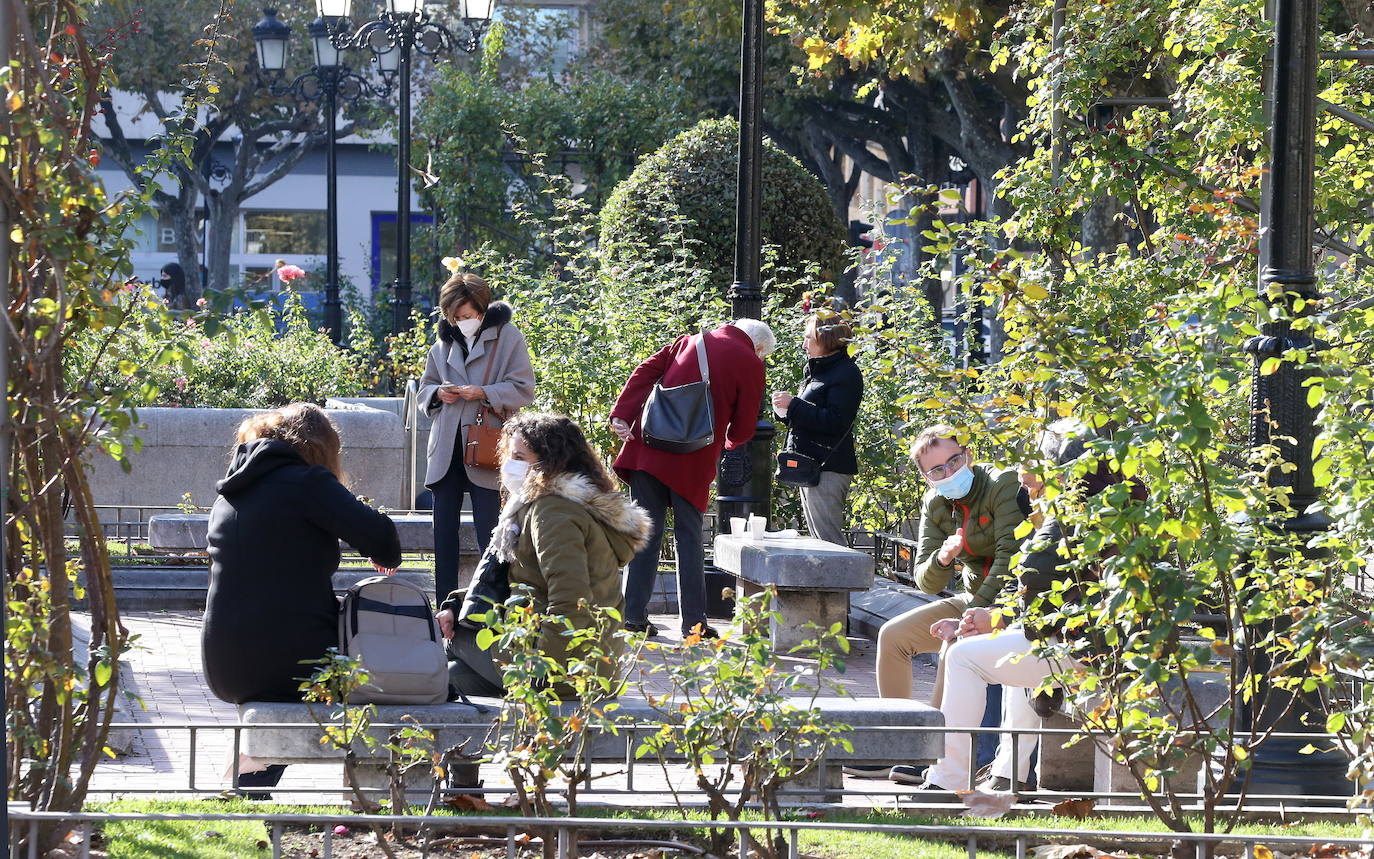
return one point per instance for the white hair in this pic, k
(760, 333)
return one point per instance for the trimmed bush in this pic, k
(688, 184)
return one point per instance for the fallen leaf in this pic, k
(468, 802)
(1078, 809)
(263, 845)
(980, 804)
(524, 838)
(1066, 851)
(1327, 851)
(1262, 852)
(211, 833)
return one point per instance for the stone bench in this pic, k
(187, 532)
(457, 724)
(813, 580)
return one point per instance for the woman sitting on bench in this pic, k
(565, 532)
(274, 546)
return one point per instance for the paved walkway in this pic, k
(164, 670)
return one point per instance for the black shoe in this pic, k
(929, 792)
(702, 630)
(907, 774)
(858, 771)
(646, 629)
(1002, 784)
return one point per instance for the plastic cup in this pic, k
(738, 525)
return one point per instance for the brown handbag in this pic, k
(483, 445)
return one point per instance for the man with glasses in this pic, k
(969, 517)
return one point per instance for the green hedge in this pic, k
(689, 184)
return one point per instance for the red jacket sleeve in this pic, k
(636, 391)
(744, 420)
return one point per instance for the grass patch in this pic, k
(175, 840)
(159, 839)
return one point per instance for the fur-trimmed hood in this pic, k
(498, 313)
(612, 510)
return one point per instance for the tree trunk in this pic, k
(223, 211)
(1103, 231)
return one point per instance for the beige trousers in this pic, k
(906, 635)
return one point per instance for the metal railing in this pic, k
(629, 763)
(565, 830)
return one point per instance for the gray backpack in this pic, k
(387, 623)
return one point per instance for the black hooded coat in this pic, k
(274, 545)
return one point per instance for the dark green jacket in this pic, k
(989, 514)
(567, 546)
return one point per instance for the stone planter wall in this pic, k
(187, 450)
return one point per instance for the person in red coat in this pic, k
(659, 479)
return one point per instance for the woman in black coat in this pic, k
(274, 545)
(821, 417)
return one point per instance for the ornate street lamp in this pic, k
(1286, 263)
(741, 491)
(329, 81)
(403, 27)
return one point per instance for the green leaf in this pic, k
(1335, 722)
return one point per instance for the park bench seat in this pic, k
(895, 735)
(812, 578)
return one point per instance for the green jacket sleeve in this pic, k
(931, 575)
(1006, 516)
(560, 543)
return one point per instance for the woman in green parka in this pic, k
(565, 530)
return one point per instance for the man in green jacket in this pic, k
(969, 517)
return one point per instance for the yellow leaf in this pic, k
(1262, 852)
(1035, 292)
(15, 101)
(1240, 753)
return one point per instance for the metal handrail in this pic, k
(565, 829)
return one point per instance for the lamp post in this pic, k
(402, 28)
(329, 81)
(746, 293)
(1287, 276)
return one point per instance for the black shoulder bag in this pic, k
(798, 469)
(681, 419)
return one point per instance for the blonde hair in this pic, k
(931, 436)
(304, 426)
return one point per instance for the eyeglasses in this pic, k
(951, 465)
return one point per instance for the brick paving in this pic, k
(164, 671)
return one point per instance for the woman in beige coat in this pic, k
(479, 360)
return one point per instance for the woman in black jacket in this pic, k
(822, 420)
(274, 546)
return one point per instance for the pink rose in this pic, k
(200, 302)
(181, 383)
(288, 273)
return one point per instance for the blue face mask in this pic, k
(955, 486)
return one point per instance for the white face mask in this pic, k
(468, 327)
(513, 473)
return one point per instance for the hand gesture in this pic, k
(621, 429)
(976, 621)
(449, 393)
(472, 392)
(949, 550)
(781, 401)
(445, 621)
(945, 629)
(386, 571)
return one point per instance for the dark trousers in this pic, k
(650, 493)
(448, 519)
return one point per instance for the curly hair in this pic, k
(559, 447)
(304, 426)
